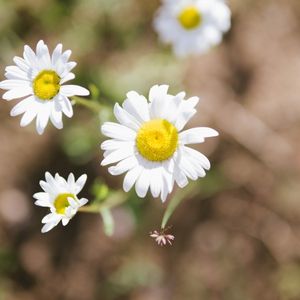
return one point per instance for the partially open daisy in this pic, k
(60, 196)
(149, 144)
(40, 77)
(192, 26)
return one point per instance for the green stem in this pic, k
(90, 104)
(190, 191)
(112, 201)
(93, 209)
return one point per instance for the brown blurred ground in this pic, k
(239, 238)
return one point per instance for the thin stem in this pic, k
(175, 201)
(93, 209)
(112, 201)
(90, 104)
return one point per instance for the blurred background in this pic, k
(238, 238)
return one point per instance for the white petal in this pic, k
(50, 179)
(56, 119)
(65, 221)
(72, 90)
(22, 106)
(41, 196)
(63, 68)
(21, 63)
(56, 53)
(47, 227)
(117, 155)
(18, 93)
(117, 131)
(123, 166)
(42, 120)
(155, 181)
(28, 117)
(29, 56)
(125, 118)
(45, 186)
(131, 177)
(137, 106)
(14, 72)
(115, 144)
(197, 135)
(142, 183)
(43, 55)
(83, 201)
(198, 156)
(80, 183)
(158, 91)
(186, 112)
(160, 102)
(180, 178)
(66, 55)
(13, 84)
(68, 77)
(73, 203)
(71, 179)
(187, 168)
(50, 218)
(65, 105)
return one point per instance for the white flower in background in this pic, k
(149, 143)
(192, 26)
(60, 196)
(40, 78)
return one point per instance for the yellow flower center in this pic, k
(157, 140)
(61, 202)
(46, 85)
(190, 17)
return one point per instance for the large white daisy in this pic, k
(148, 142)
(192, 26)
(60, 196)
(40, 77)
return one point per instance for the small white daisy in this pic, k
(192, 26)
(40, 77)
(149, 143)
(61, 197)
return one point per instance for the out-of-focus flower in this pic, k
(149, 143)
(162, 238)
(60, 196)
(192, 26)
(40, 77)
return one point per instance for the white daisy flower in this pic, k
(149, 144)
(40, 78)
(60, 196)
(192, 26)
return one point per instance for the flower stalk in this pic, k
(90, 104)
(189, 192)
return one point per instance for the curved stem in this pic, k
(175, 201)
(90, 104)
(112, 201)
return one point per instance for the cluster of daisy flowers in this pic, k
(148, 143)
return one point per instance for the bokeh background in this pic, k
(237, 235)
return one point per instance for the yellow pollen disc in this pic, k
(46, 85)
(157, 140)
(190, 17)
(61, 202)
